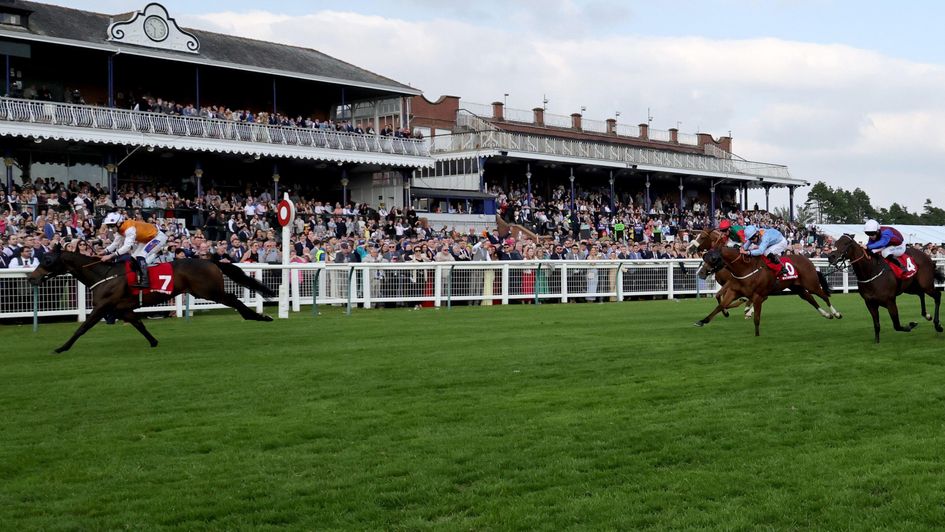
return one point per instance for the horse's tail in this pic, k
(823, 282)
(239, 277)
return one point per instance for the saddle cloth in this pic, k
(160, 275)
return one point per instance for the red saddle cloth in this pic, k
(908, 270)
(160, 275)
(786, 271)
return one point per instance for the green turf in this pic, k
(554, 417)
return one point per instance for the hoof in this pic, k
(59, 350)
(913, 325)
(154, 343)
(266, 318)
(928, 317)
(938, 327)
(699, 324)
(725, 313)
(839, 316)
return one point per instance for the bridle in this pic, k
(846, 262)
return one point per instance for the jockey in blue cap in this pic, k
(768, 242)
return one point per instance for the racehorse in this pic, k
(752, 278)
(112, 295)
(879, 286)
(808, 281)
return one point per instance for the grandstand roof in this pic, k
(73, 27)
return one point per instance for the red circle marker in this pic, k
(284, 210)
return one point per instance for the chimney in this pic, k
(726, 143)
(611, 126)
(576, 121)
(674, 135)
(645, 131)
(539, 116)
(497, 111)
(705, 138)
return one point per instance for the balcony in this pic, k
(494, 142)
(84, 123)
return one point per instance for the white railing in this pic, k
(595, 126)
(553, 120)
(506, 141)
(433, 284)
(687, 138)
(659, 134)
(478, 109)
(469, 120)
(518, 115)
(104, 118)
(626, 130)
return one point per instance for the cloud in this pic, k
(848, 116)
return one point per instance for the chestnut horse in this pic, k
(752, 278)
(112, 295)
(878, 286)
(809, 279)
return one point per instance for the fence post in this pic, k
(295, 291)
(449, 288)
(536, 284)
(179, 306)
(350, 289)
(669, 280)
(80, 300)
(258, 274)
(564, 282)
(437, 286)
(846, 282)
(35, 308)
(366, 274)
(318, 271)
(620, 281)
(187, 306)
(505, 284)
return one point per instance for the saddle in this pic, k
(161, 277)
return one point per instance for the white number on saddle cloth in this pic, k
(910, 266)
(789, 269)
(165, 280)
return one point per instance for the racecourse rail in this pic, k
(435, 284)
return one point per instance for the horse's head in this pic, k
(842, 251)
(706, 239)
(712, 262)
(51, 266)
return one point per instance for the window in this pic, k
(11, 19)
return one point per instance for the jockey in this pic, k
(146, 238)
(887, 240)
(735, 233)
(768, 242)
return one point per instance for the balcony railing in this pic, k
(104, 118)
(601, 151)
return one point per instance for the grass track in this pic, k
(560, 416)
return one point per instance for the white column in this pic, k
(367, 275)
(564, 283)
(438, 286)
(80, 300)
(295, 289)
(669, 280)
(505, 284)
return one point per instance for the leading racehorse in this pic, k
(112, 295)
(808, 280)
(878, 285)
(752, 278)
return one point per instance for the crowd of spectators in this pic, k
(241, 227)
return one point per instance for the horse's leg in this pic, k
(926, 315)
(758, 300)
(894, 315)
(97, 314)
(806, 296)
(873, 307)
(247, 313)
(132, 318)
(727, 298)
(937, 298)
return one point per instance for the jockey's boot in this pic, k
(774, 258)
(894, 260)
(143, 281)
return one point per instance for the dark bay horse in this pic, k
(751, 278)
(878, 286)
(809, 280)
(112, 295)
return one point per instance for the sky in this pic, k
(844, 92)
